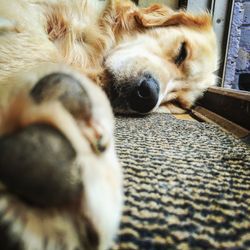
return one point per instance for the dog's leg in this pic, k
(55, 166)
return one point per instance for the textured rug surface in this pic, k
(186, 184)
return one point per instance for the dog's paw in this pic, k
(60, 178)
(32, 155)
(77, 101)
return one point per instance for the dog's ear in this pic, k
(160, 16)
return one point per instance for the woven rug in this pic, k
(186, 185)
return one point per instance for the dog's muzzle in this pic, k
(139, 95)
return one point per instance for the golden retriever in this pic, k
(60, 180)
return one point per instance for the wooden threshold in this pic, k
(229, 109)
(185, 117)
(211, 117)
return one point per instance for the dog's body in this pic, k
(43, 32)
(52, 54)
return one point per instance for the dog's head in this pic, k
(170, 56)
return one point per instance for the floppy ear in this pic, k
(159, 16)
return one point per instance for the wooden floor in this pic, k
(184, 116)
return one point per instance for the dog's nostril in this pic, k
(144, 90)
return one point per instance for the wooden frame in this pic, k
(230, 109)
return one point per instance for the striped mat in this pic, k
(186, 185)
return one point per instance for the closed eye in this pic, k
(182, 55)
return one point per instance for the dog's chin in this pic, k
(125, 110)
(126, 113)
(122, 104)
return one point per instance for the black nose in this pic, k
(144, 96)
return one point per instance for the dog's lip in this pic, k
(162, 96)
(130, 112)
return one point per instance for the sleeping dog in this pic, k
(60, 180)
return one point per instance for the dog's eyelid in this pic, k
(182, 54)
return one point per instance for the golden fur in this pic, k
(63, 32)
